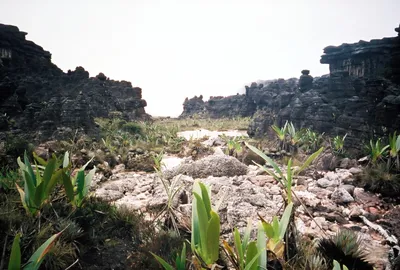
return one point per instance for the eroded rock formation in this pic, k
(218, 107)
(360, 96)
(38, 101)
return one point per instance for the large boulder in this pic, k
(214, 165)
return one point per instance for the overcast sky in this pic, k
(175, 49)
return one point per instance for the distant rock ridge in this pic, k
(360, 96)
(218, 107)
(38, 101)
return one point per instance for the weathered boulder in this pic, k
(214, 165)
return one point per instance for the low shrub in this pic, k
(133, 128)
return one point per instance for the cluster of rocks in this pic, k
(39, 102)
(242, 192)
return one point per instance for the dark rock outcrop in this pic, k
(376, 58)
(337, 104)
(218, 107)
(38, 101)
(360, 96)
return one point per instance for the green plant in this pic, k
(310, 140)
(346, 248)
(76, 188)
(338, 143)
(246, 254)
(380, 179)
(205, 228)
(107, 142)
(281, 133)
(8, 179)
(171, 189)
(233, 145)
(394, 144)
(180, 261)
(286, 180)
(35, 260)
(294, 135)
(38, 185)
(336, 266)
(276, 231)
(377, 151)
(133, 128)
(158, 161)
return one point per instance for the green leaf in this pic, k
(88, 181)
(29, 168)
(268, 229)
(261, 247)
(285, 219)
(40, 160)
(39, 195)
(309, 160)
(80, 183)
(15, 256)
(238, 246)
(48, 172)
(21, 165)
(275, 226)
(182, 261)
(53, 181)
(87, 163)
(38, 175)
(36, 259)
(252, 255)
(195, 237)
(29, 207)
(66, 160)
(246, 235)
(206, 199)
(203, 223)
(69, 189)
(166, 265)
(289, 181)
(266, 158)
(29, 188)
(213, 232)
(336, 265)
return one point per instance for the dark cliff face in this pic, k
(40, 102)
(376, 58)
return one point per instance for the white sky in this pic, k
(175, 49)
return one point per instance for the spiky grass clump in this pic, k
(379, 179)
(307, 257)
(346, 248)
